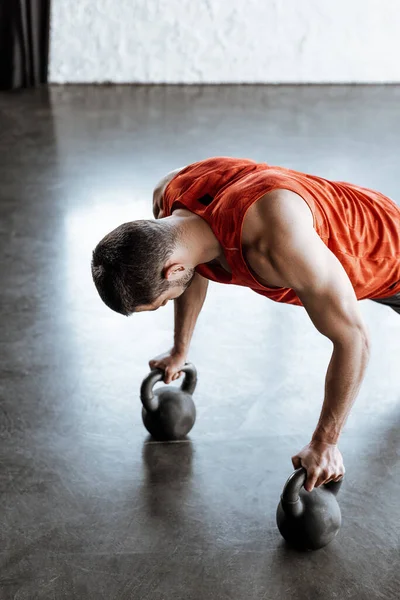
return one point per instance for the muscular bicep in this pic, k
(307, 266)
(327, 294)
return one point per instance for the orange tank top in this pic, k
(360, 226)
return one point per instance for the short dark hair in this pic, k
(127, 264)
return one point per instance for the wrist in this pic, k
(328, 430)
(316, 443)
(179, 350)
(328, 438)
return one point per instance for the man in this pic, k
(291, 237)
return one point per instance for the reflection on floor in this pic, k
(90, 507)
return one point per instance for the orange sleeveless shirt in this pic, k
(360, 226)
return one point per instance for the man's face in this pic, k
(171, 294)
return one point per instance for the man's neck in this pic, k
(197, 242)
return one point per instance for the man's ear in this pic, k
(174, 272)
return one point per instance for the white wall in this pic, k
(225, 41)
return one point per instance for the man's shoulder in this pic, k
(276, 214)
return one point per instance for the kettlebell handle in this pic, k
(291, 491)
(150, 401)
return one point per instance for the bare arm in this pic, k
(187, 310)
(305, 264)
(187, 306)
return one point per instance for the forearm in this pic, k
(343, 380)
(187, 309)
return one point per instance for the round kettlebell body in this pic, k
(308, 520)
(175, 416)
(169, 413)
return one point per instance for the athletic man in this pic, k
(291, 237)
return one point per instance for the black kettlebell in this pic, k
(308, 520)
(169, 413)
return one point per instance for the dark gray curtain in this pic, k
(24, 43)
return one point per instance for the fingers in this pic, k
(171, 375)
(334, 477)
(323, 463)
(323, 476)
(338, 477)
(311, 481)
(169, 378)
(167, 375)
(318, 477)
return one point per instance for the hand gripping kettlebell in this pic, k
(169, 413)
(308, 520)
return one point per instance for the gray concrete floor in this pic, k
(90, 507)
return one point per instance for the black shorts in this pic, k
(392, 301)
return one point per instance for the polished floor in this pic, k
(90, 508)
